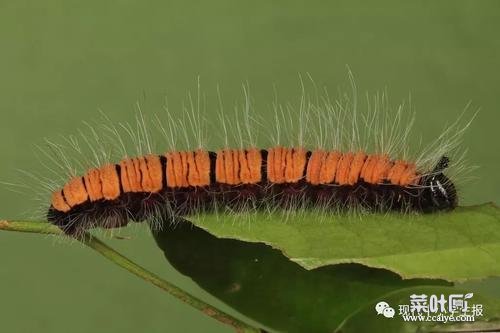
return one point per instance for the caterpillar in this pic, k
(196, 180)
(358, 161)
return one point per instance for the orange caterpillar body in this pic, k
(189, 181)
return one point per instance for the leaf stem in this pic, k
(122, 261)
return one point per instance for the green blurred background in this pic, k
(62, 61)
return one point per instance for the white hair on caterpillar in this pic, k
(314, 122)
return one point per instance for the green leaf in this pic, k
(264, 285)
(455, 246)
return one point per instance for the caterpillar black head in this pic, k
(440, 192)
